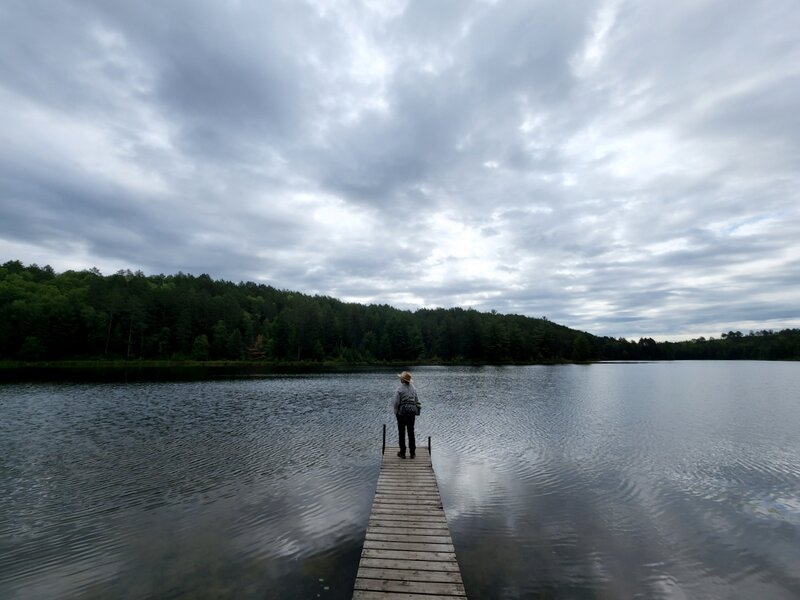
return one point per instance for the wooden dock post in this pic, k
(408, 553)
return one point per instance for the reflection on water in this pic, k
(656, 480)
(184, 490)
(600, 481)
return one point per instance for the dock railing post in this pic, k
(383, 449)
(429, 444)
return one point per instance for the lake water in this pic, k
(655, 480)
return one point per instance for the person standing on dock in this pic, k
(405, 409)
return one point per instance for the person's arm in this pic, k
(396, 402)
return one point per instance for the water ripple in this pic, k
(603, 481)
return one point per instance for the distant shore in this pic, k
(177, 370)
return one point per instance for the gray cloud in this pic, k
(623, 168)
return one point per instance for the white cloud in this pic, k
(617, 166)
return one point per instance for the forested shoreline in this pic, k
(84, 315)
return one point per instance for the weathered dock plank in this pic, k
(394, 536)
(367, 595)
(394, 520)
(383, 563)
(409, 575)
(408, 553)
(410, 587)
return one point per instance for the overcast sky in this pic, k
(625, 168)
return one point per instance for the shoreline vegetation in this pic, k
(83, 321)
(156, 370)
(277, 365)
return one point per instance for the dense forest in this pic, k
(46, 315)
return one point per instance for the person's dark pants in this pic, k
(406, 424)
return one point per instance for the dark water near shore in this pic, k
(661, 480)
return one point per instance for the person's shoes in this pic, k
(401, 454)
(413, 455)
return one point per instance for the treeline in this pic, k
(84, 315)
(765, 344)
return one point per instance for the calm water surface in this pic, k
(660, 480)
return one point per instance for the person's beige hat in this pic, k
(405, 376)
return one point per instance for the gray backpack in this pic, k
(409, 407)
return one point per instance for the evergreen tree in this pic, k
(49, 316)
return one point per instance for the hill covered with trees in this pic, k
(46, 315)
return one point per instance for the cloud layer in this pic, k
(625, 168)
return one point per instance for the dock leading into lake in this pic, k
(408, 553)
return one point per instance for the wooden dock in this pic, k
(408, 553)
